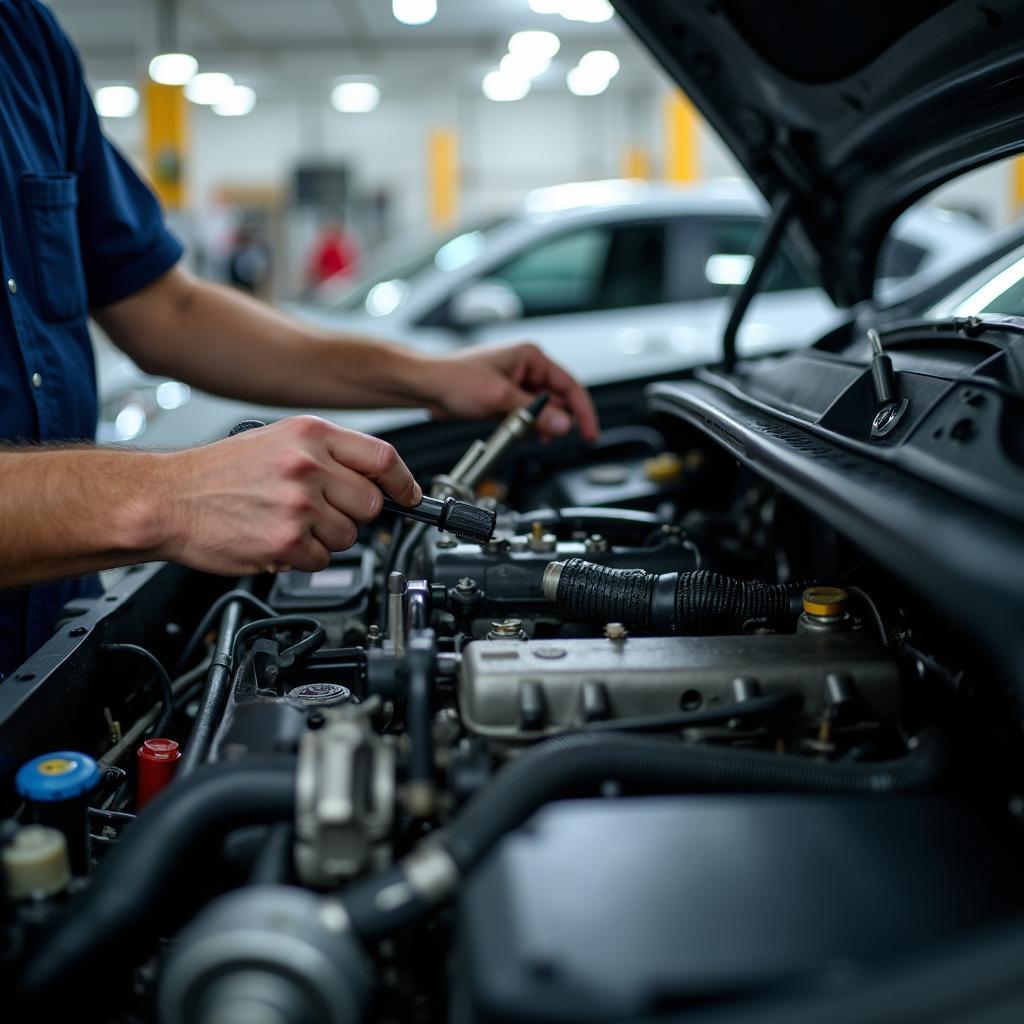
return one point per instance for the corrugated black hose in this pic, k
(699, 603)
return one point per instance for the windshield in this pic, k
(387, 280)
(999, 290)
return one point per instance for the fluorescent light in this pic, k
(116, 101)
(355, 97)
(600, 62)
(592, 11)
(534, 44)
(209, 87)
(414, 12)
(582, 82)
(173, 68)
(505, 88)
(237, 102)
(521, 65)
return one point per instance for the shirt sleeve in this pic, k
(124, 242)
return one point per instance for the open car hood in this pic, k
(855, 110)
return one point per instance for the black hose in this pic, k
(116, 916)
(163, 723)
(569, 764)
(273, 864)
(698, 603)
(578, 763)
(314, 628)
(215, 694)
(206, 624)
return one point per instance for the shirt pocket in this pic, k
(50, 203)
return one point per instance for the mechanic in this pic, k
(81, 234)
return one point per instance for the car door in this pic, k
(590, 296)
(790, 308)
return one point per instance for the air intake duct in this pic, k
(699, 603)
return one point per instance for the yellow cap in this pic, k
(56, 766)
(663, 468)
(825, 600)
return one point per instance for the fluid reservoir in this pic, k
(158, 761)
(35, 863)
(57, 787)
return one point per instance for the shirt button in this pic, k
(37, 380)
(12, 286)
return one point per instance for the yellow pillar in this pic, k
(636, 162)
(443, 176)
(167, 141)
(1018, 183)
(681, 144)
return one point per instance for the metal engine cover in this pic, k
(658, 675)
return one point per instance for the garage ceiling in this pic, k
(288, 48)
(117, 28)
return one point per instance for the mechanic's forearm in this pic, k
(69, 511)
(222, 341)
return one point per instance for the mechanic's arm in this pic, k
(271, 499)
(222, 341)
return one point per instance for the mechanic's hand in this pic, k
(493, 380)
(284, 496)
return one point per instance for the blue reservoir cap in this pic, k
(61, 775)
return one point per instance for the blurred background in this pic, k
(325, 154)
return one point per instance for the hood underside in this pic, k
(855, 110)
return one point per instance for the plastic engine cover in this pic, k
(605, 910)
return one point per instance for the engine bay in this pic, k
(667, 741)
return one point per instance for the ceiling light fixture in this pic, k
(238, 102)
(600, 62)
(355, 97)
(535, 44)
(116, 101)
(173, 68)
(209, 87)
(505, 88)
(591, 11)
(582, 82)
(523, 65)
(414, 12)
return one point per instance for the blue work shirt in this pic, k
(78, 231)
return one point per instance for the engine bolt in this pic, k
(466, 585)
(507, 627)
(615, 631)
(595, 543)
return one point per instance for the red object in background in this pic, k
(158, 760)
(334, 255)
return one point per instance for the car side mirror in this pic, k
(485, 302)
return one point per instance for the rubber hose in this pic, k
(698, 603)
(116, 914)
(578, 763)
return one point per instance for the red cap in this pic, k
(158, 759)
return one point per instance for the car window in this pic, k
(729, 245)
(601, 267)
(998, 291)
(381, 287)
(899, 258)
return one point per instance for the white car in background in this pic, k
(614, 279)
